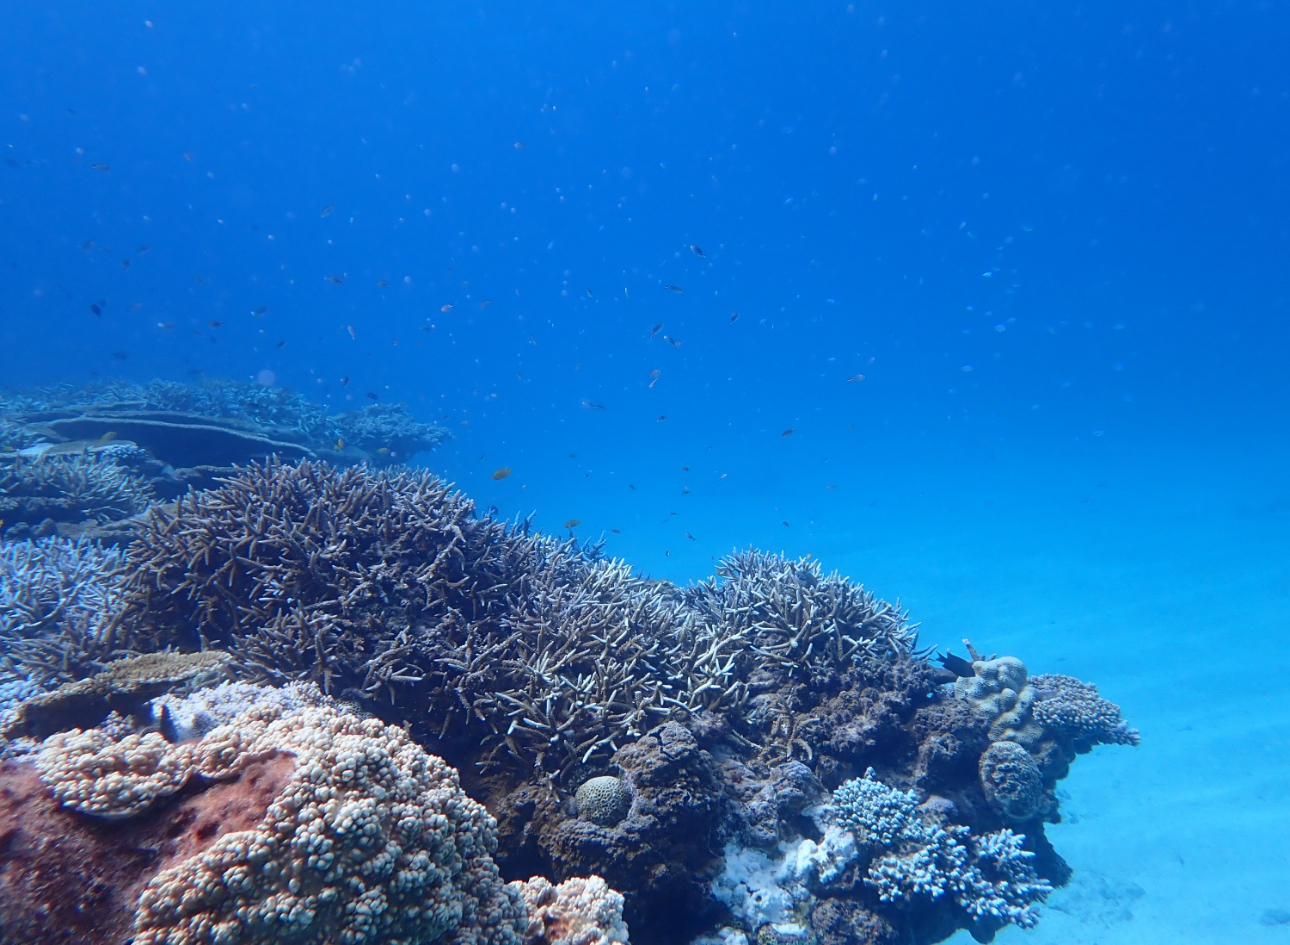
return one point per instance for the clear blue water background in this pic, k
(1052, 237)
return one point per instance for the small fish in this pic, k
(685, 490)
(280, 344)
(100, 167)
(344, 382)
(187, 156)
(591, 405)
(484, 304)
(590, 294)
(372, 396)
(215, 324)
(257, 312)
(125, 264)
(339, 280)
(956, 665)
(672, 288)
(687, 534)
(340, 443)
(351, 332)
(142, 248)
(108, 437)
(855, 378)
(785, 524)
(95, 309)
(672, 341)
(697, 249)
(616, 531)
(446, 308)
(831, 485)
(326, 211)
(384, 450)
(722, 476)
(382, 284)
(661, 418)
(500, 474)
(656, 329)
(734, 317)
(121, 355)
(572, 522)
(653, 377)
(788, 432)
(165, 326)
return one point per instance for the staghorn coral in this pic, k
(55, 595)
(315, 825)
(40, 493)
(387, 432)
(386, 584)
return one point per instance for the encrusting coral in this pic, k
(314, 825)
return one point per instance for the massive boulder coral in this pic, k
(314, 825)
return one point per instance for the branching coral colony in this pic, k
(782, 760)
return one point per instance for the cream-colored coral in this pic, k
(577, 912)
(369, 839)
(999, 691)
(94, 773)
(604, 800)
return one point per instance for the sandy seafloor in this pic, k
(1160, 572)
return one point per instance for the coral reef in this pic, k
(705, 725)
(313, 825)
(44, 493)
(218, 422)
(86, 460)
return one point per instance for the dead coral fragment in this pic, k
(123, 686)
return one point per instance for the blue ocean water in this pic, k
(985, 305)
